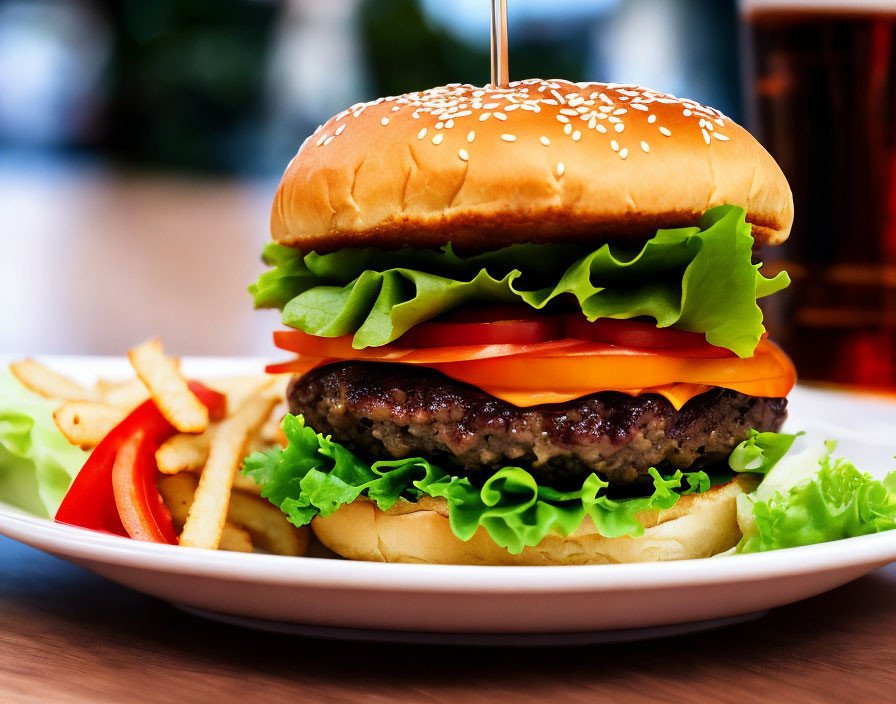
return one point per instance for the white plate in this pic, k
(497, 605)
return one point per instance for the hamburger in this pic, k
(525, 326)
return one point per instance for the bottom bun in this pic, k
(699, 525)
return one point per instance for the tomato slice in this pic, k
(632, 333)
(504, 332)
(491, 314)
(341, 348)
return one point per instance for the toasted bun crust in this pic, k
(699, 525)
(542, 161)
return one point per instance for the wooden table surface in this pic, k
(67, 635)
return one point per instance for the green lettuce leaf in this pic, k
(810, 497)
(37, 463)
(761, 452)
(315, 476)
(700, 279)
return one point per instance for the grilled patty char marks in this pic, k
(389, 411)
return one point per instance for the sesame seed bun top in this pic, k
(541, 161)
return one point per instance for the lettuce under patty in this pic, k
(805, 497)
(700, 279)
(314, 476)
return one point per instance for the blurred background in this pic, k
(140, 142)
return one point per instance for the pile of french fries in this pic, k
(212, 504)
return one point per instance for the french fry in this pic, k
(168, 388)
(205, 521)
(125, 394)
(178, 491)
(189, 453)
(184, 452)
(44, 381)
(238, 389)
(245, 484)
(267, 524)
(235, 539)
(86, 423)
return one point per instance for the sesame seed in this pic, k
(623, 153)
(384, 121)
(511, 108)
(592, 123)
(614, 145)
(576, 136)
(582, 110)
(421, 134)
(719, 135)
(508, 137)
(638, 106)
(438, 138)
(686, 112)
(471, 135)
(484, 116)
(567, 111)
(620, 111)
(645, 147)
(329, 139)
(651, 119)
(462, 153)
(705, 136)
(567, 128)
(500, 116)
(440, 125)
(665, 131)
(619, 127)
(601, 128)
(562, 118)
(449, 124)
(321, 140)
(558, 97)
(491, 106)
(561, 168)
(340, 129)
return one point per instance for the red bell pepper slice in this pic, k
(90, 501)
(140, 506)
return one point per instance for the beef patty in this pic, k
(389, 411)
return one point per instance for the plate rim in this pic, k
(80, 543)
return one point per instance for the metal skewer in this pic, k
(500, 67)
